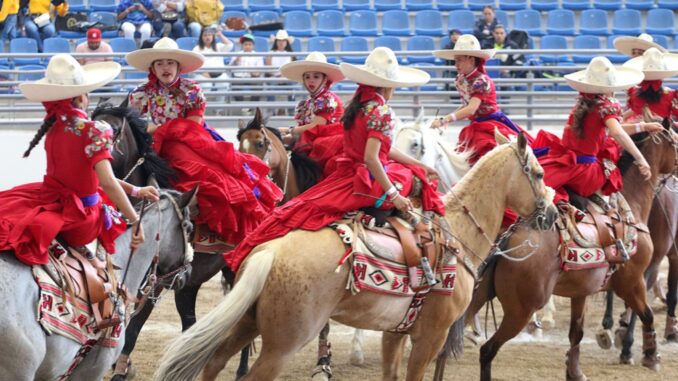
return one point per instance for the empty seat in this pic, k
(263, 17)
(322, 44)
(660, 21)
(425, 43)
(502, 18)
(363, 23)
(385, 5)
(262, 5)
(478, 5)
(356, 5)
(31, 72)
(228, 14)
(293, 5)
(232, 5)
(298, 23)
(77, 6)
(661, 40)
(593, 21)
(56, 45)
(614, 58)
(576, 5)
(103, 5)
(123, 45)
(644, 5)
(428, 23)
(553, 42)
(391, 42)
(450, 5)
(418, 5)
(396, 22)
(24, 45)
(608, 5)
(626, 21)
(108, 23)
(462, 19)
(512, 5)
(528, 20)
(187, 43)
(323, 5)
(261, 44)
(560, 21)
(585, 42)
(544, 5)
(330, 23)
(354, 44)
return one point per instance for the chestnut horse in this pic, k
(524, 287)
(288, 288)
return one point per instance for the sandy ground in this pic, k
(523, 358)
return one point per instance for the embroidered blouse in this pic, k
(478, 85)
(163, 103)
(326, 105)
(666, 106)
(594, 131)
(375, 120)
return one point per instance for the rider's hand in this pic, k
(645, 169)
(437, 123)
(137, 235)
(651, 127)
(149, 193)
(402, 204)
(431, 172)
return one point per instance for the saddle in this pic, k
(208, 242)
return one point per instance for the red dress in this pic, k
(321, 143)
(345, 189)
(665, 107)
(585, 164)
(69, 201)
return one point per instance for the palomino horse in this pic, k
(288, 288)
(540, 274)
(428, 146)
(28, 353)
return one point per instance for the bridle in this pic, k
(118, 136)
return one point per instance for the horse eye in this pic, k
(260, 144)
(539, 176)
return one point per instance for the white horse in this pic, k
(29, 354)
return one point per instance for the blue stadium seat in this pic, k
(261, 17)
(428, 23)
(594, 21)
(299, 24)
(478, 5)
(262, 5)
(77, 6)
(433, 73)
(356, 5)
(450, 5)
(396, 22)
(293, 5)
(418, 5)
(354, 44)
(103, 5)
(56, 45)
(660, 21)
(187, 43)
(503, 19)
(234, 5)
(363, 23)
(585, 42)
(528, 20)
(608, 5)
(122, 45)
(38, 72)
(296, 45)
(644, 5)
(391, 42)
(615, 58)
(228, 14)
(576, 5)
(261, 44)
(512, 5)
(661, 40)
(553, 42)
(108, 19)
(544, 5)
(560, 21)
(4, 61)
(322, 44)
(322, 5)
(421, 43)
(385, 5)
(24, 45)
(493, 73)
(626, 21)
(330, 23)
(461, 19)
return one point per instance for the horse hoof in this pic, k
(357, 358)
(535, 330)
(624, 360)
(118, 377)
(548, 323)
(322, 373)
(652, 362)
(672, 338)
(619, 335)
(580, 377)
(604, 339)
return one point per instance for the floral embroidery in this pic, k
(379, 118)
(477, 85)
(326, 104)
(75, 124)
(608, 107)
(166, 103)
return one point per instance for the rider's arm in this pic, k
(371, 159)
(618, 133)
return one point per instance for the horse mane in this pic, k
(153, 164)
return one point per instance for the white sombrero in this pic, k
(655, 64)
(381, 69)
(601, 77)
(282, 35)
(65, 78)
(165, 48)
(626, 44)
(467, 45)
(315, 61)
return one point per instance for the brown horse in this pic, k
(288, 288)
(524, 287)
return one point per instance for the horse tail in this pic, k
(459, 160)
(189, 353)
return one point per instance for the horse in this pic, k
(277, 293)
(427, 145)
(524, 286)
(47, 357)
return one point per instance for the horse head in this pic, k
(261, 141)
(410, 138)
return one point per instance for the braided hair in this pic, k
(46, 125)
(584, 104)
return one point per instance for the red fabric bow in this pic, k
(656, 85)
(368, 93)
(63, 107)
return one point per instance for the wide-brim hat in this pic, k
(165, 48)
(466, 45)
(601, 77)
(282, 35)
(655, 64)
(626, 44)
(381, 69)
(316, 62)
(65, 78)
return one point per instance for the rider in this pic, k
(235, 193)
(371, 173)
(479, 99)
(650, 93)
(69, 202)
(319, 130)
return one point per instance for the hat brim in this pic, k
(406, 76)
(295, 70)
(626, 44)
(142, 59)
(625, 79)
(96, 75)
(671, 61)
(450, 54)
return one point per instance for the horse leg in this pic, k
(626, 355)
(184, 300)
(323, 369)
(425, 347)
(357, 356)
(671, 330)
(243, 365)
(547, 319)
(573, 370)
(604, 337)
(392, 348)
(243, 333)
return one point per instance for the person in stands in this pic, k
(94, 44)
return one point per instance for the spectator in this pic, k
(135, 15)
(485, 25)
(8, 18)
(499, 42)
(247, 59)
(282, 42)
(93, 45)
(201, 14)
(214, 65)
(38, 23)
(454, 36)
(169, 18)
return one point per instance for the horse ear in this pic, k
(190, 199)
(152, 182)
(501, 139)
(522, 144)
(257, 116)
(420, 118)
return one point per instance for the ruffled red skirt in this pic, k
(323, 144)
(479, 136)
(349, 188)
(32, 215)
(234, 195)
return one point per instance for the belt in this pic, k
(586, 159)
(90, 200)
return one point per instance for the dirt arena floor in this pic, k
(523, 358)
